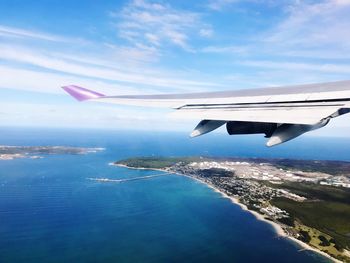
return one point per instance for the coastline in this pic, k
(276, 227)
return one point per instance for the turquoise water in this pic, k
(50, 212)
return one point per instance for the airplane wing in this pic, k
(281, 113)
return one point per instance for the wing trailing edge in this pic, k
(281, 113)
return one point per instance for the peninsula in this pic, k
(35, 152)
(308, 200)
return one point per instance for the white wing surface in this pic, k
(293, 110)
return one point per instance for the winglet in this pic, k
(81, 94)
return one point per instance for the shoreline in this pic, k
(276, 227)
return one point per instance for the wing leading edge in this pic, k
(280, 113)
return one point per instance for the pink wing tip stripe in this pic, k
(81, 94)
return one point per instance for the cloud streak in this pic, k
(219, 5)
(156, 25)
(309, 41)
(326, 68)
(321, 24)
(156, 46)
(6, 31)
(36, 67)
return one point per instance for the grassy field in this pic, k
(329, 217)
(325, 244)
(327, 209)
(317, 191)
(328, 220)
(324, 219)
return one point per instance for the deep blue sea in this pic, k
(51, 212)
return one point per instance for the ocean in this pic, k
(51, 212)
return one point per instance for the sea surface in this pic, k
(51, 212)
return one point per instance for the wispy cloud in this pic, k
(326, 68)
(159, 46)
(206, 32)
(155, 25)
(43, 70)
(136, 54)
(48, 82)
(7, 31)
(88, 115)
(218, 5)
(309, 42)
(314, 25)
(30, 57)
(304, 29)
(226, 49)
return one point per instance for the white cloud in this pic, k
(7, 31)
(153, 32)
(44, 82)
(319, 25)
(327, 68)
(156, 24)
(305, 29)
(134, 55)
(226, 49)
(342, 2)
(206, 32)
(153, 39)
(310, 43)
(218, 5)
(90, 115)
(137, 76)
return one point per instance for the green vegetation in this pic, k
(289, 221)
(157, 162)
(30, 150)
(304, 236)
(324, 241)
(327, 209)
(316, 191)
(328, 167)
(321, 241)
(215, 172)
(331, 218)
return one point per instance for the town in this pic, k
(242, 180)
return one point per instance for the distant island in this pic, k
(35, 152)
(307, 201)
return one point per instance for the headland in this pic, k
(37, 152)
(306, 201)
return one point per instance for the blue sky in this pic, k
(140, 46)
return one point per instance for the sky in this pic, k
(147, 47)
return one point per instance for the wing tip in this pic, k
(81, 94)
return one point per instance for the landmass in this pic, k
(308, 200)
(35, 152)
